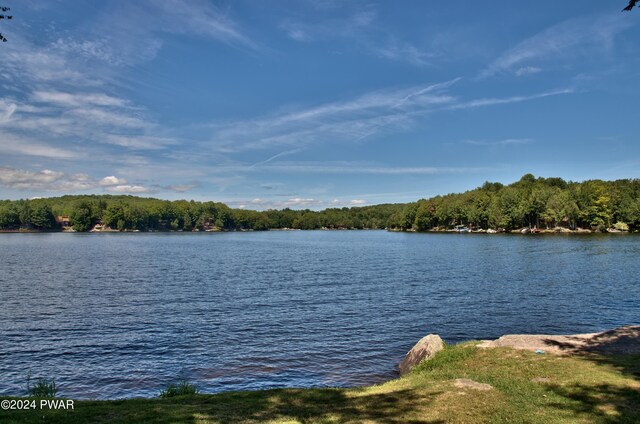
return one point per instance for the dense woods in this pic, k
(528, 203)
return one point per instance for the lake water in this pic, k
(122, 315)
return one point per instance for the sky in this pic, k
(313, 104)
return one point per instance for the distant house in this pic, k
(63, 221)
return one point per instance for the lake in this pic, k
(122, 315)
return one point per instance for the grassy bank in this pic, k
(526, 388)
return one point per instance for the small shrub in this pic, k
(43, 388)
(621, 226)
(179, 389)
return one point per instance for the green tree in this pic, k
(9, 218)
(82, 217)
(23, 208)
(42, 217)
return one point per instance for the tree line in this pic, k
(130, 213)
(529, 202)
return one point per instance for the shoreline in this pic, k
(465, 382)
(563, 231)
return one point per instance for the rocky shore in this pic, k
(619, 341)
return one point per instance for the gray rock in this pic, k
(424, 350)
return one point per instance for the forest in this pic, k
(543, 203)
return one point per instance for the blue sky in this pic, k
(309, 104)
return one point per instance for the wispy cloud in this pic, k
(91, 116)
(527, 70)
(75, 100)
(308, 167)
(370, 115)
(339, 121)
(276, 156)
(295, 203)
(7, 109)
(339, 27)
(133, 37)
(579, 36)
(396, 50)
(199, 17)
(26, 63)
(505, 142)
(26, 146)
(181, 188)
(360, 169)
(507, 100)
(361, 27)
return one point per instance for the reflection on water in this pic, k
(121, 315)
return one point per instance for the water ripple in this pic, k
(121, 315)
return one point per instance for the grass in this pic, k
(43, 388)
(182, 388)
(527, 388)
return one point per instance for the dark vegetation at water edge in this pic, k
(529, 202)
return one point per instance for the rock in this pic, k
(619, 341)
(470, 384)
(424, 350)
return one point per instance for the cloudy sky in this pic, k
(313, 104)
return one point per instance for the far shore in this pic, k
(521, 231)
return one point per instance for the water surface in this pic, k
(121, 315)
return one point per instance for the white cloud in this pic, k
(126, 188)
(44, 180)
(181, 188)
(112, 180)
(109, 118)
(19, 145)
(527, 70)
(128, 34)
(402, 51)
(25, 62)
(372, 114)
(505, 142)
(9, 110)
(359, 27)
(340, 168)
(294, 203)
(341, 27)
(201, 18)
(579, 36)
(356, 168)
(507, 100)
(60, 116)
(141, 142)
(48, 180)
(75, 100)
(350, 120)
(264, 204)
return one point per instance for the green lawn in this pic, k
(526, 388)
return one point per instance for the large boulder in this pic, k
(424, 350)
